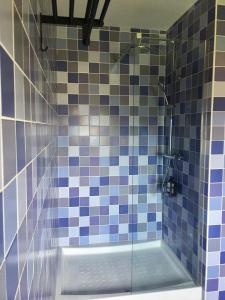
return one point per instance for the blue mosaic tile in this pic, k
(7, 84)
(1, 231)
(9, 150)
(217, 147)
(214, 231)
(219, 104)
(212, 285)
(84, 231)
(73, 77)
(221, 295)
(61, 66)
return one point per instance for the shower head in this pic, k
(162, 87)
(142, 45)
(133, 50)
(136, 49)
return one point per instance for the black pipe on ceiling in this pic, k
(87, 23)
(71, 9)
(104, 11)
(54, 9)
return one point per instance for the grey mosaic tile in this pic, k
(21, 197)
(18, 39)
(19, 95)
(6, 23)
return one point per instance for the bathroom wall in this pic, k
(189, 88)
(110, 135)
(27, 154)
(215, 260)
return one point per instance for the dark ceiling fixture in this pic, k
(87, 23)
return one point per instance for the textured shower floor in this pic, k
(95, 272)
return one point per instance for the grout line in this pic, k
(31, 161)
(27, 35)
(13, 41)
(39, 64)
(17, 231)
(31, 83)
(27, 121)
(6, 252)
(51, 142)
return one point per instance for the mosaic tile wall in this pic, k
(110, 134)
(184, 215)
(27, 154)
(215, 263)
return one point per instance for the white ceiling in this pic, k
(146, 14)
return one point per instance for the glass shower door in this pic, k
(159, 262)
(148, 69)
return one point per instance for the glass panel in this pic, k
(181, 214)
(137, 140)
(102, 263)
(149, 68)
(157, 258)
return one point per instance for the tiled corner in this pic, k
(186, 82)
(210, 209)
(215, 288)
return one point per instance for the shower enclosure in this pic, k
(119, 242)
